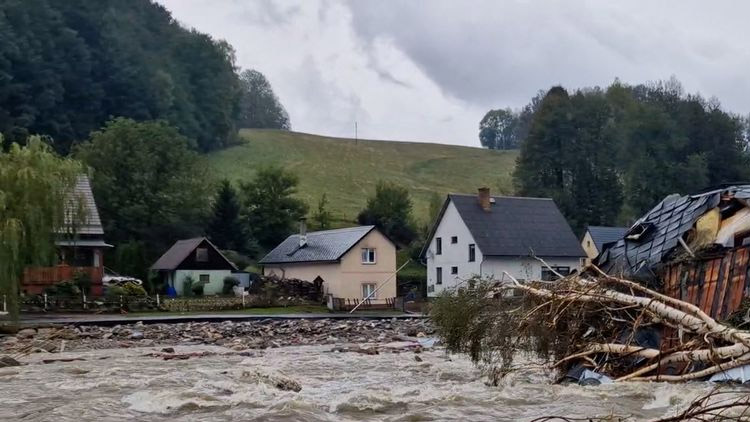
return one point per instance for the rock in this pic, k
(417, 358)
(26, 333)
(135, 335)
(6, 361)
(168, 350)
(277, 380)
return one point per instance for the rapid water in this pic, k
(123, 384)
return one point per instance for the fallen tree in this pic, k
(593, 321)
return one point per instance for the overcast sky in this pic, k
(429, 70)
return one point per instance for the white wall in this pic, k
(457, 255)
(214, 286)
(523, 268)
(454, 255)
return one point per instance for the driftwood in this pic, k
(708, 346)
(590, 320)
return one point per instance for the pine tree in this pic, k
(226, 229)
(322, 216)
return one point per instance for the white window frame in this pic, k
(369, 288)
(369, 256)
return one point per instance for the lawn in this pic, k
(347, 171)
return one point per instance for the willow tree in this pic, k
(35, 185)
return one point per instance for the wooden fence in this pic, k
(346, 304)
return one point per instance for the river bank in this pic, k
(258, 334)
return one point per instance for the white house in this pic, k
(197, 260)
(487, 236)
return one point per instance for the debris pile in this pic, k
(235, 335)
(593, 329)
(288, 287)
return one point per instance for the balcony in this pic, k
(36, 279)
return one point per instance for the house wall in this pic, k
(457, 255)
(306, 271)
(354, 273)
(588, 245)
(453, 255)
(344, 279)
(214, 286)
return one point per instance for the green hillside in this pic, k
(347, 170)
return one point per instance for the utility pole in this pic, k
(356, 141)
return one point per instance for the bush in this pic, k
(83, 281)
(187, 286)
(198, 289)
(229, 283)
(63, 288)
(127, 289)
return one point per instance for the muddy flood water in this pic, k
(127, 384)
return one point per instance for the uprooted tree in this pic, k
(603, 323)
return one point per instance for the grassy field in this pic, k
(346, 171)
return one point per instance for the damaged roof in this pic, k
(601, 235)
(321, 246)
(655, 237)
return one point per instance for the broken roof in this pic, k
(515, 226)
(321, 246)
(181, 249)
(601, 235)
(655, 237)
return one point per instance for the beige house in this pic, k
(597, 237)
(352, 262)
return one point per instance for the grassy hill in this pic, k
(347, 170)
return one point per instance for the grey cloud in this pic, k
(500, 53)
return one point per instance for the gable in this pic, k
(514, 227)
(182, 255)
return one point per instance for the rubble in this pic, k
(238, 336)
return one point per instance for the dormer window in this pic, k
(201, 255)
(369, 256)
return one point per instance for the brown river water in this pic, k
(123, 384)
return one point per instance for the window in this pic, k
(367, 290)
(204, 278)
(588, 243)
(454, 270)
(201, 255)
(438, 246)
(454, 239)
(439, 275)
(368, 256)
(472, 253)
(549, 274)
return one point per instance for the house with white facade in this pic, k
(197, 260)
(489, 236)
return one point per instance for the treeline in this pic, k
(66, 67)
(607, 155)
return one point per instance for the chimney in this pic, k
(484, 198)
(302, 232)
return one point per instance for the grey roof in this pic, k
(92, 224)
(515, 226)
(322, 246)
(173, 257)
(667, 222)
(601, 235)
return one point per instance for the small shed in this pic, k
(197, 259)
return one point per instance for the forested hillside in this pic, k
(606, 155)
(68, 66)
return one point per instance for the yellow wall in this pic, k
(345, 278)
(589, 247)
